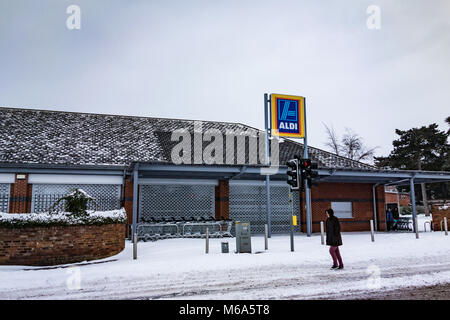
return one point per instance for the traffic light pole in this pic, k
(307, 191)
(308, 211)
(292, 220)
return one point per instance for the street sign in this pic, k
(288, 116)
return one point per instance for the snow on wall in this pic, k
(62, 217)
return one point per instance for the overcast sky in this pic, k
(214, 60)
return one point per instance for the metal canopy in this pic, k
(235, 172)
(374, 177)
(399, 177)
(205, 172)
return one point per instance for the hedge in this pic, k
(24, 220)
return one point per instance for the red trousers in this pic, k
(336, 255)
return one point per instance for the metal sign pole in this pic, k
(266, 126)
(284, 127)
(307, 191)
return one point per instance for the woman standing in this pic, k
(334, 239)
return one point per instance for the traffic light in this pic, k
(302, 169)
(309, 169)
(293, 178)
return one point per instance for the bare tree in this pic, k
(333, 141)
(350, 146)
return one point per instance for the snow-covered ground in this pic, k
(180, 269)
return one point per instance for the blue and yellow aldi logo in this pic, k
(288, 117)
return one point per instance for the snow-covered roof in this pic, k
(31, 136)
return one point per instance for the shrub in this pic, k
(21, 220)
(405, 210)
(75, 203)
(75, 213)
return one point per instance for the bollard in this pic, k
(425, 226)
(266, 237)
(445, 226)
(416, 227)
(372, 233)
(225, 248)
(135, 246)
(207, 240)
(322, 233)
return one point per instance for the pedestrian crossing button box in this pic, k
(243, 237)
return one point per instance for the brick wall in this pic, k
(20, 195)
(128, 199)
(438, 215)
(41, 246)
(392, 197)
(222, 203)
(405, 199)
(381, 208)
(401, 198)
(359, 194)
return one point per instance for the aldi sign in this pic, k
(288, 116)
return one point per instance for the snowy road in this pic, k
(179, 269)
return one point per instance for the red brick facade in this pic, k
(20, 195)
(41, 246)
(401, 198)
(359, 194)
(222, 196)
(128, 199)
(438, 215)
(404, 199)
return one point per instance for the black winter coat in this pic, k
(333, 232)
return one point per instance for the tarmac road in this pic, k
(436, 292)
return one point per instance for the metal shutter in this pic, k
(107, 197)
(176, 200)
(248, 203)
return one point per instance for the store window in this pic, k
(342, 209)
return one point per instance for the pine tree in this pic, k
(424, 148)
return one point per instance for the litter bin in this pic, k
(243, 237)
(225, 248)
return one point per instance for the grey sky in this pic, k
(214, 60)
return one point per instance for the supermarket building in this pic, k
(127, 161)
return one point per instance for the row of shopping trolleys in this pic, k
(152, 229)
